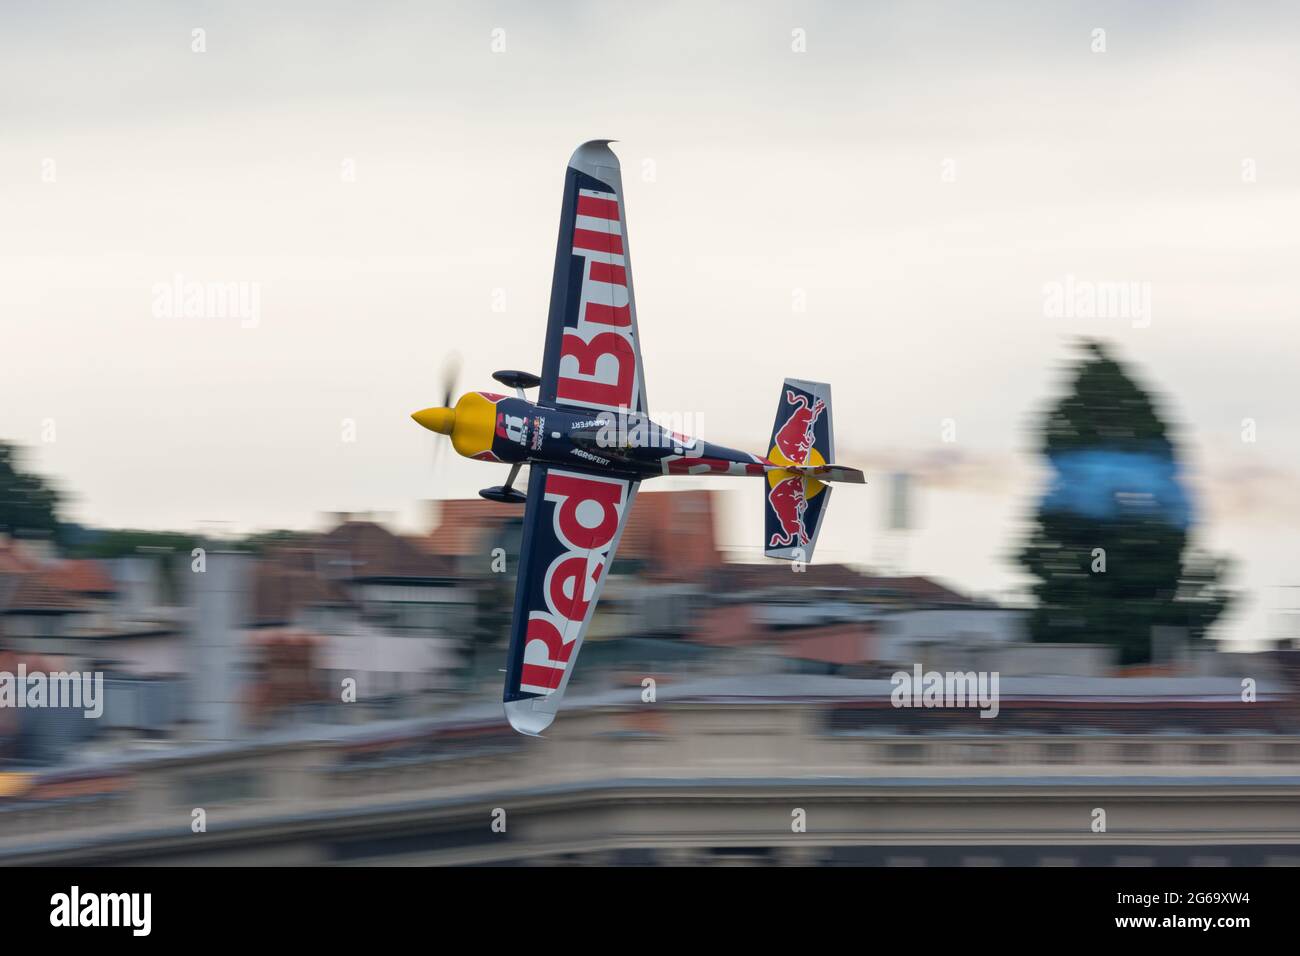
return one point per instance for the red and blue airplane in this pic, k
(589, 442)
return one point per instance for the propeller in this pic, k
(450, 375)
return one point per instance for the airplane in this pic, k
(589, 442)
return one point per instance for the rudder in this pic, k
(794, 504)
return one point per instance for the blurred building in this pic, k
(714, 771)
(384, 612)
(350, 679)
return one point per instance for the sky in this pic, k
(872, 195)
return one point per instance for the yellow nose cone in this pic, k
(440, 420)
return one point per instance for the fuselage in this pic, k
(491, 427)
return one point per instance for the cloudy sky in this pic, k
(387, 177)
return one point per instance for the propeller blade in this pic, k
(450, 373)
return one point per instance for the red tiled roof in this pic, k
(39, 591)
(308, 570)
(921, 589)
(461, 524)
(82, 577)
(10, 661)
(12, 559)
(670, 531)
(363, 549)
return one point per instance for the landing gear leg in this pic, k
(514, 473)
(506, 494)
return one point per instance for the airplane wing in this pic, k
(572, 525)
(593, 351)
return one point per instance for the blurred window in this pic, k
(1284, 753)
(208, 789)
(1136, 752)
(905, 753)
(1211, 753)
(1060, 752)
(981, 753)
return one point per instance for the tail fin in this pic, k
(795, 501)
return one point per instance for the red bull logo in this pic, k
(587, 514)
(795, 438)
(598, 361)
(788, 503)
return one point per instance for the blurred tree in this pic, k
(1109, 544)
(119, 542)
(28, 504)
(263, 541)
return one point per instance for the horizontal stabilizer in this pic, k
(853, 476)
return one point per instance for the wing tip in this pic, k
(526, 719)
(593, 153)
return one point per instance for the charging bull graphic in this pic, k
(795, 438)
(786, 500)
